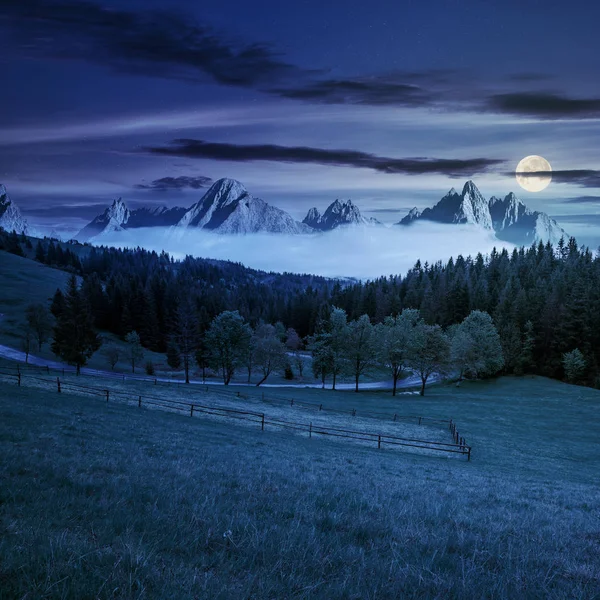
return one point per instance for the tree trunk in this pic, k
(263, 379)
(78, 371)
(186, 366)
(334, 378)
(356, 387)
(395, 383)
(203, 373)
(423, 382)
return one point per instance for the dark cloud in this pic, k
(370, 91)
(583, 200)
(159, 43)
(388, 211)
(582, 177)
(544, 105)
(586, 219)
(166, 184)
(347, 158)
(528, 77)
(408, 88)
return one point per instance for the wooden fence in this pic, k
(266, 398)
(190, 408)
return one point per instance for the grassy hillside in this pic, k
(22, 282)
(104, 500)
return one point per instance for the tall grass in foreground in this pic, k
(106, 501)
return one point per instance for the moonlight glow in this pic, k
(534, 164)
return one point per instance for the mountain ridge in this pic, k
(337, 214)
(509, 218)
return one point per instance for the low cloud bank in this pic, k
(361, 252)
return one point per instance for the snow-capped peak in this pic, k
(412, 215)
(337, 214)
(118, 214)
(222, 193)
(474, 207)
(10, 215)
(313, 218)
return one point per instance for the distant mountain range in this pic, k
(228, 208)
(509, 218)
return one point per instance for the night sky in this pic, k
(387, 103)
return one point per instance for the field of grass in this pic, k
(109, 501)
(23, 282)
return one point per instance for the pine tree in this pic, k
(173, 357)
(75, 339)
(40, 254)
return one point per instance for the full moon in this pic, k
(534, 164)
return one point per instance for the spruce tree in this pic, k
(75, 339)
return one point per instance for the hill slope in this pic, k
(152, 505)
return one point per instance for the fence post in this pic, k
(262, 425)
(320, 407)
(237, 394)
(106, 391)
(379, 441)
(155, 381)
(48, 369)
(140, 402)
(394, 417)
(292, 402)
(469, 453)
(310, 430)
(58, 384)
(420, 420)
(353, 412)
(206, 389)
(192, 410)
(19, 377)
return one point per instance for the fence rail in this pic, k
(459, 446)
(268, 399)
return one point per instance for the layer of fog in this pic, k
(361, 252)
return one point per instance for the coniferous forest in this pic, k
(544, 301)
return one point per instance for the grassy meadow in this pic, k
(109, 501)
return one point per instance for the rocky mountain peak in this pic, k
(10, 215)
(337, 214)
(413, 215)
(508, 217)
